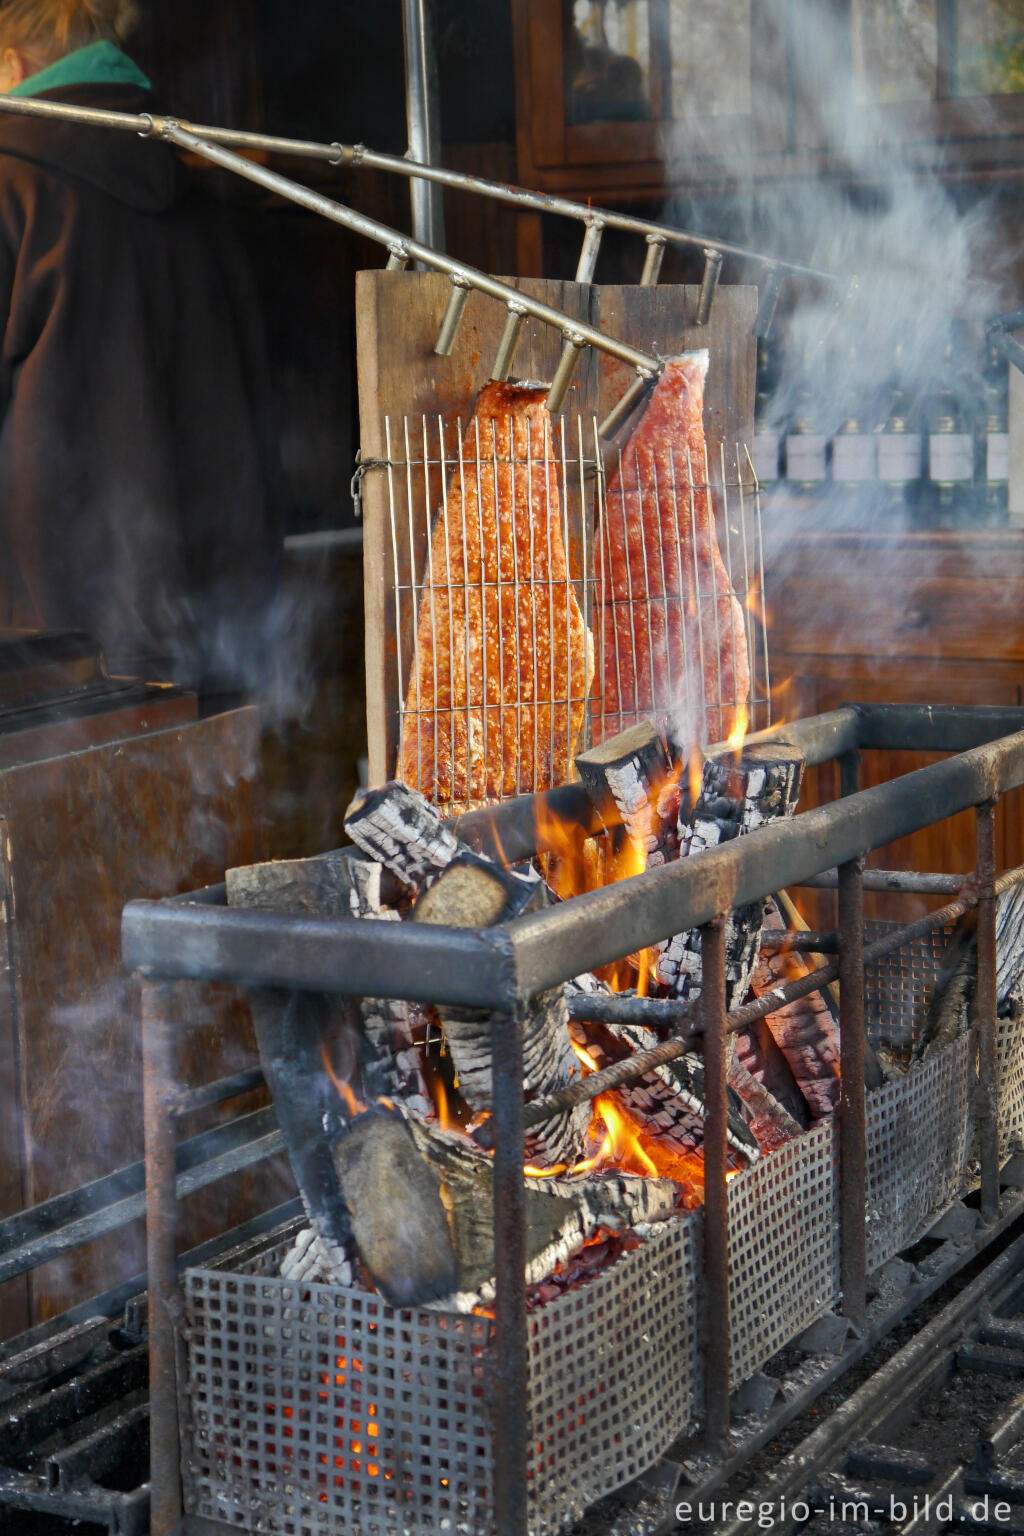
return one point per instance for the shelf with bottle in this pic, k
(927, 446)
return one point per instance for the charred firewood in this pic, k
(473, 892)
(634, 770)
(770, 1121)
(337, 884)
(668, 1101)
(739, 793)
(422, 1210)
(399, 828)
(804, 1030)
(756, 1050)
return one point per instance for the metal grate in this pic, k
(919, 1134)
(490, 702)
(316, 1408)
(783, 1247)
(898, 988)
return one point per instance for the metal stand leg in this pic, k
(159, 1082)
(716, 1195)
(510, 1417)
(852, 1125)
(984, 1021)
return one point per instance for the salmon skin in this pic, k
(673, 639)
(503, 660)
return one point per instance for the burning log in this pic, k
(473, 892)
(739, 793)
(668, 1101)
(635, 770)
(422, 1204)
(396, 826)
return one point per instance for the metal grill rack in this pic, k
(488, 682)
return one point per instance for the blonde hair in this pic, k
(46, 30)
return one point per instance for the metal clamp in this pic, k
(362, 469)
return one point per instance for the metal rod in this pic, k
(849, 775)
(709, 285)
(220, 1092)
(769, 299)
(159, 1077)
(494, 967)
(357, 156)
(907, 881)
(587, 263)
(511, 1342)
(621, 412)
(716, 1192)
(422, 112)
(852, 1106)
(985, 1003)
(652, 261)
(403, 247)
(801, 941)
(509, 342)
(452, 317)
(682, 1017)
(567, 365)
(601, 926)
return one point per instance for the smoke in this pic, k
(913, 246)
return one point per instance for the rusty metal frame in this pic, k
(503, 967)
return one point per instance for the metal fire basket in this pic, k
(424, 459)
(903, 1124)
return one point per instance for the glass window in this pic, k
(608, 61)
(710, 50)
(989, 58)
(895, 49)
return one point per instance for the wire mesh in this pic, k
(527, 626)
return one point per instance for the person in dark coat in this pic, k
(134, 462)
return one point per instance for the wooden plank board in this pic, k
(400, 376)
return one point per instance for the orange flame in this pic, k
(739, 731)
(353, 1105)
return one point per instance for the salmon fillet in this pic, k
(503, 661)
(672, 637)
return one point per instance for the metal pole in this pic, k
(716, 1195)
(985, 1003)
(159, 1082)
(852, 1125)
(357, 156)
(403, 247)
(510, 1416)
(422, 97)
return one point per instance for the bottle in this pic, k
(767, 439)
(950, 443)
(993, 439)
(806, 469)
(854, 452)
(899, 445)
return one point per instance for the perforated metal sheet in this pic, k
(783, 1247)
(919, 1136)
(315, 1408)
(898, 988)
(1010, 1060)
